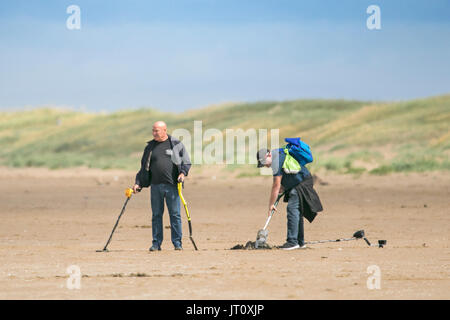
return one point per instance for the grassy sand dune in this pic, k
(345, 136)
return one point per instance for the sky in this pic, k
(178, 55)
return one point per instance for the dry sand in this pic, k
(52, 219)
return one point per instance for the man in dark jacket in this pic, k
(165, 162)
(302, 199)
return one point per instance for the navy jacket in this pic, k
(180, 158)
(310, 203)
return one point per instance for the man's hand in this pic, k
(181, 177)
(272, 207)
(136, 187)
(276, 185)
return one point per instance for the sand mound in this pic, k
(250, 245)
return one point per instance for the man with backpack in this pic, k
(291, 175)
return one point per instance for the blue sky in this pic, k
(177, 55)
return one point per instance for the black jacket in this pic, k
(309, 199)
(180, 158)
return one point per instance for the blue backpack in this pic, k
(299, 150)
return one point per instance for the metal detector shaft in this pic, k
(273, 210)
(337, 240)
(190, 235)
(261, 236)
(128, 193)
(115, 226)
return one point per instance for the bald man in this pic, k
(164, 163)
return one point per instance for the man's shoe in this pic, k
(179, 248)
(155, 248)
(289, 246)
(303, 247)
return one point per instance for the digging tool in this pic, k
(180, 186)
(261, 236)
(356, 236)
(128, 193)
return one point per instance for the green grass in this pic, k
(351, 137)
(416, 160)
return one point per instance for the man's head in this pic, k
(264, 158)
(159, 131)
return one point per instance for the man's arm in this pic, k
(276, 188)
(183, 161)
(139, 176)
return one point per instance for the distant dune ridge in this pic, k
(345, 136)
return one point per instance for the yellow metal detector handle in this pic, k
(180, 186)
(128, 192)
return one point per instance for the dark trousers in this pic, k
(295, 231)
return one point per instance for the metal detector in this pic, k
(128, 193)
(180, 186)
(356, 236)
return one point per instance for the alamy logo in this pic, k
(74, 280)
(374, 20)
(73, 22)
(230, 147)
(374, 280)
